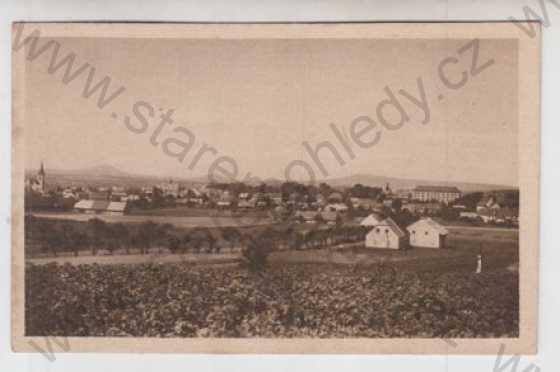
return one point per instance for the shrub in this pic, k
(256, 253)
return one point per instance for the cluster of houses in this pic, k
(386, 233)
(493, 208)
(421, 200)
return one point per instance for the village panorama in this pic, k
(356, 257)
(388, 234)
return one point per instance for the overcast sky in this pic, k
(259, 100)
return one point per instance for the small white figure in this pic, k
(478, 264)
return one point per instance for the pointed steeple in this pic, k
(42, 170)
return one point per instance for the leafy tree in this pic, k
(403, 217)
(256, 253)
(339, 221)
(111, 239)
(132, 241)
(197, 238)
(362, 191)
(147, 234)
(285, 236)
(173, 244)
(449, 213)
(158, 200)
(231, 235)
(98, 230)
(201, 237)
(297, 241)
(78, 239)
(122, 236)
(305, 239)
(271, 236)
(469, 200)
(210, 241)
(185, 242)
(162, 232)
(98, 226)
(54, 241)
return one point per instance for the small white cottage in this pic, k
(386, 234)
(371, 220)
(427, 233)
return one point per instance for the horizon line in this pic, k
(325, 180)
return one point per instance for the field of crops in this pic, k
(284, 301)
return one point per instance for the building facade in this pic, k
(427, 233)
(387, 234)
(443, 194)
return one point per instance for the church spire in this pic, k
(42, 170)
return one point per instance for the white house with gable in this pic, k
(386, 234)
(427, 233)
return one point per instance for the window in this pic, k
(414, 231)
(377, 230)
(426, 233)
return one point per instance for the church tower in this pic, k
(388, 190)
(40, 179)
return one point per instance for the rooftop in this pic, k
(391, 224)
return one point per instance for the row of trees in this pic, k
(306, 192)
(64, 236)
(70, 236)
(49, 201)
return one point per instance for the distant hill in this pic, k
(402, 183)
(107, 175)
(251, 181)
(97, 170)
(100, 175)
(104, 170)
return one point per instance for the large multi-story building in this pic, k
(444, 194)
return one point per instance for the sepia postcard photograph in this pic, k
(357, 188)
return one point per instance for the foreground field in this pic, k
(285, 301)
